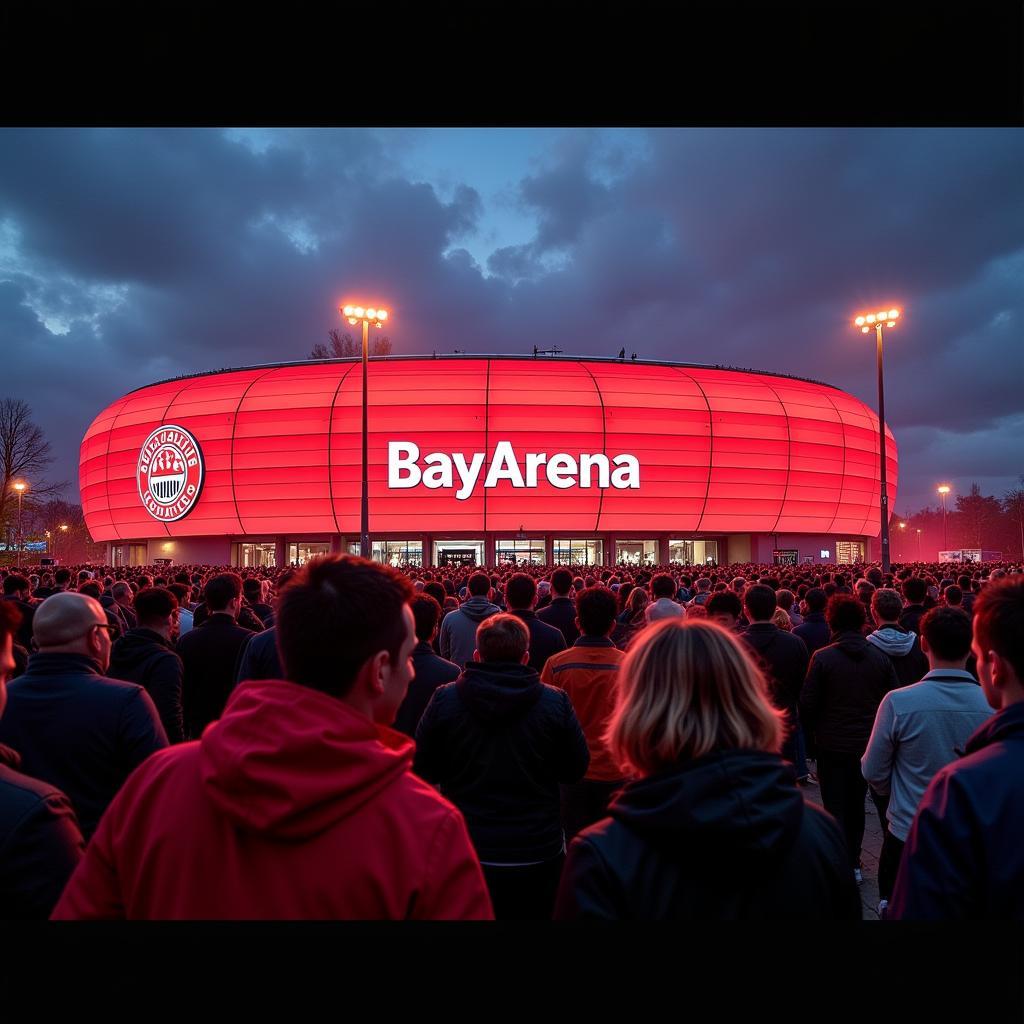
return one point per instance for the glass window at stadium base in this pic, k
(648, 463)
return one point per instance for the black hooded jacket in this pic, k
(143, 656)
(724, 837)
(498, 742)
(845, 684)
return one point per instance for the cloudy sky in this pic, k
(127, 256)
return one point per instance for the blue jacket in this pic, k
(545, 640)
(814, 631)
(259, 658)
(79, 731)
(561, 614)
(964, 857)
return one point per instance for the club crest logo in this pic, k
(170, 473)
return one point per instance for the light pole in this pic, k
(903, 539)
(865, 323)
(919, 543)
(943, 490)
(377, 317)
(19, 486)
(64, 546)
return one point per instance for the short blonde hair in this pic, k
(688, 688)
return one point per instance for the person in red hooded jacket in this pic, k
(298, 802)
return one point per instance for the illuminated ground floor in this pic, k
(495, 549)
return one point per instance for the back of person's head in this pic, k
(725, 602)
(637, 601)
(436, 591)
(687, 688)
(62, 577)
(816, 599)
(427, 612)
(84, 575)
(947, 633)
(15, 584)
(999, 623)
(221, 590)
(739, 584)
(663, 586)
(121, 591)
(520, 591)
(845, 614)
(154, 604)
(915, 589)
(886, 605)
(91, 589)
(337, 613)
(65, 619)
(502, 637)
(253, 590)
(479, 584)
(180, 591)
(760, 602)
(953, 596)
(561, 582)
(785, 598)
(595, 609)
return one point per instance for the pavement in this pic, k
(870, 850)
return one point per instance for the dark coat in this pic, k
(498, 741)
(964, 857)
(78, 730)
(784, 659)
(814, 632)
(545, 640)
(725, 837)
(247, 618)
(40, 844)
(561, 614)
(210, 654)
(912, 616)
(845, 684)
(431, 672)
(143, 656)
(260, 659)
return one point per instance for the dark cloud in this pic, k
(126, 256)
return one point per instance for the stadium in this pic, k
(486, 459)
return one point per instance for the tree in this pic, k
(1013, 506)
(977, 516)
(24, 454)
(344, 346)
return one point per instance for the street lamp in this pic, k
(903, 540)
(63, 547)
(47, 542)
(20, 486)
(865, 323)
(944, 489)
(376, 316)
(919, 543)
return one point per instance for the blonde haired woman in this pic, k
(713, 826)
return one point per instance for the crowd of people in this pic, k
(348, 740)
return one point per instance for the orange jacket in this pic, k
(588, 672)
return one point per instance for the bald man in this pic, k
(74, 727)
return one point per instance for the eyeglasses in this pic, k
(111, 630)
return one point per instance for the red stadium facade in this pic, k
(485, 459)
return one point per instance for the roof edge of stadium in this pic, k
(456, 356)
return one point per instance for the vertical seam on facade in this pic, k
(711, 445)
(842, 478)
(106, 472)
(789, 456)
(487, 447)
(604, 442)
(330, 437)
(231, 450)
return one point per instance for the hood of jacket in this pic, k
(498, 690)
(289, 762)
(1003, 725)
(854, 645)
(137, 646)
(896, 641)
(479, 608)
(761, 635)
(739, 805)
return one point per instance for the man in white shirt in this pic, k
(920, 729)
(663, 605)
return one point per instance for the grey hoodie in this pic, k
(458, 630)
(896, 642)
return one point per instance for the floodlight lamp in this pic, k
(382, 314)
(894, 314)
(859, 321)
(371, 314)
(870, 318)
(347, 311)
